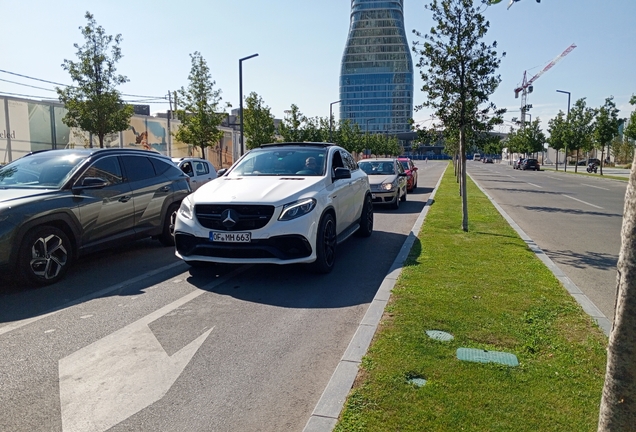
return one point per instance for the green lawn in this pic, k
(489, 290)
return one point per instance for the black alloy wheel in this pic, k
(325, 245)
(166, 237)
(366, 218)
(45, 256)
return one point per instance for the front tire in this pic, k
(325, 245)
(45, 256)
(366, 219)
(166, 237)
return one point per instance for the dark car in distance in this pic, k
(56, 205)
(530, 164)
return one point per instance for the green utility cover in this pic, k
(483, 356)
(418, 381)
(440, 335)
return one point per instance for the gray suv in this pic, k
(58, 204)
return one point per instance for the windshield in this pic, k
(47, 170)
(377, 168)
(278, 161)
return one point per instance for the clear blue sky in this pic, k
(300, 45)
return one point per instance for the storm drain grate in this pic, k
(483, 356)
(440, 335)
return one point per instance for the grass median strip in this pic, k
(489, 291)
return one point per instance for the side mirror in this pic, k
(415, 168)
(221, 172)
(341, 173)
(93, 183)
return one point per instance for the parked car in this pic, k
(282, 203)
(476, 156)
(388, 180)
(199, 171)
(530, 164)
(56, 205)
(411, 173)
(516, 164)
(489, 160)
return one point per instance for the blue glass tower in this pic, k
(376, 78)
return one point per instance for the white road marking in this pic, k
(581, 201)
(117, 376)
(21, 323)
(596, 187)
(553, 178)
(532, 184)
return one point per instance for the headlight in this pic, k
(387, 186)
(297, 209)
(186, 208)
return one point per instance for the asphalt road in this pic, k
(576, 220)
(133, 340)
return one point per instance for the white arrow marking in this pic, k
(115, 377)
(110, 380)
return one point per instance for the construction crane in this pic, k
(526, 85)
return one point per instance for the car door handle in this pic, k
(125, 198)
(165, 189)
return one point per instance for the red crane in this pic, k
(526, 85)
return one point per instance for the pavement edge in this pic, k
(588, 306)
(325, 415)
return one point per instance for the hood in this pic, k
(13, 195)
(379, 179)
(272, 190)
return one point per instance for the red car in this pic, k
(411, 173)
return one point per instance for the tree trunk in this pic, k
(618, 404)
(602, 159)
(462, 185)
(576, 162)
(101, 140)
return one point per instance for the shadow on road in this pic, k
(599, 261)
(571, 211)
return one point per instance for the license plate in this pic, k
(231, 237)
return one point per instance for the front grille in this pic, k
(249, 217)
(282, 247)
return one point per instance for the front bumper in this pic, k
(384, 197)
(278, 242)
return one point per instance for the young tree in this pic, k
(458, 74)
(533, 137)
(579, 128)
(618, 403)
(93, 103)
(630, 129)
(557, 128)
(605, 127)
(291, 128)
(258, 123)
(200, 113)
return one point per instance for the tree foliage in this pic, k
(291, 128)
(580, 128)
(630, 129)
(93, 103)
(458, 73)
(605, 127)
(258, 122)
(200, 110)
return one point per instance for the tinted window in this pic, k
(107, 168)
(161, 166)
(138, 168)
(349, 161)
(201, 168)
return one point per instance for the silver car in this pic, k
(388, 180)
(199, 171)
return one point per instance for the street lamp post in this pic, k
(241, 96)
(331, 118)
(565, 162)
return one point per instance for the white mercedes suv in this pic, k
(282, 203)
